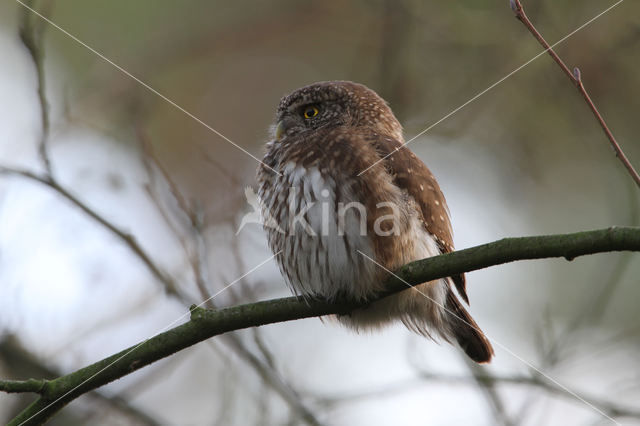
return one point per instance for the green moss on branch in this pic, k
(208, 323)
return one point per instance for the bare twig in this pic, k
(151, 163)
(610, 407)
(265, 369)
(590, 312)
(125, 237)
(576, 79)
(488, 387)
(31, 35)
(275, 382)
(195, 248)
(31, 31)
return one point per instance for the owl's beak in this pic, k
(280, 130)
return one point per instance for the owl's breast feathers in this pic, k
(338, 155)
(350, 202)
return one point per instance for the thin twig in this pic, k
(31, 32)
(590, 312)
(265, 369)
(31, 36)
(128, 239)
(488, 386)
(195, 248)
(576, 79)
(611, 407)
(151, 162)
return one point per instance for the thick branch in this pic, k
(576, 79)
(208, 323)
(22, 363)
(195, 247)
(277, 383)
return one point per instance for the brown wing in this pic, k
(413, 175)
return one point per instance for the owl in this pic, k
(347, 204)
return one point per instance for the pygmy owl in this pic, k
(348, 204)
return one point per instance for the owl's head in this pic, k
(335, 103)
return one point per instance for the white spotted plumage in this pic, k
(350, 151)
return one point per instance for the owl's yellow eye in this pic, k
(310, 111)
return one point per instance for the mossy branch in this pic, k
(22, 386)
(204, 323)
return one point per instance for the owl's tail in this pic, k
(467, 333)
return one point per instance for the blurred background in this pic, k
(525, 158)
